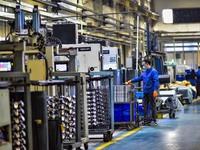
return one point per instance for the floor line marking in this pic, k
(118, 139)
(195, 100)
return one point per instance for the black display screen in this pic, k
(66, 33)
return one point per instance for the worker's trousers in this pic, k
(198, 88)
(148, 98)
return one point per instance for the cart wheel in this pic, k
(188, 101)
(86, 146)
(132, 126)
(137, 124)
(106, 138)
(173, 115)
(111, 136)
(170, 114)
(129, 128)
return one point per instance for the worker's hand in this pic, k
(155, 94)
(128, 82)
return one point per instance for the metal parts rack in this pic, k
(76, 87)
(100, 104)
(5, 120)
(20, 81)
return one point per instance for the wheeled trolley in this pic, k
(21, 111)
(170, 102)
(125, 107)
(100, 104)
(66, 99)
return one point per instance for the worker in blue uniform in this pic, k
(198, 82)
(193, 74)
(150, 89)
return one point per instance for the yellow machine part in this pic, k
(37, 70)
(159, 115)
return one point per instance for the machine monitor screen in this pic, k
(61, 67)
(5, 66)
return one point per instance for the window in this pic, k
(178, 55)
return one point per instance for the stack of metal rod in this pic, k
(18, 125)
(63, 107)
(98, 106)
(122, 93)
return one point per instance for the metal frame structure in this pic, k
(80, 77)
(27, 101)
(133, 7)
(107, 133)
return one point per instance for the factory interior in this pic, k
(99, 74)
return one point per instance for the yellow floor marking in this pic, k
(118, 139)
(195, 100)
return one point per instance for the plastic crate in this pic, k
(126, 107)
(139, 95)
(117, 112)
(126, 115)
(180, 77)
(188, 71)
(121, 112)
(118, 117)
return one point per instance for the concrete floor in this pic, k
(182, 133)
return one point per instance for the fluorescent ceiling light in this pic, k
(167, 15)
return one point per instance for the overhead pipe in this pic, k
(181, 34)
(147, 36)
(137, 45)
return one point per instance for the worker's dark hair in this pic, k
(147, 61)
(199, 67)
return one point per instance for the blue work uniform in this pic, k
(198, 76)
(150, 83)
(150, 80)
(198, 83)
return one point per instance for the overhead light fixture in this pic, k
(167, 15)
